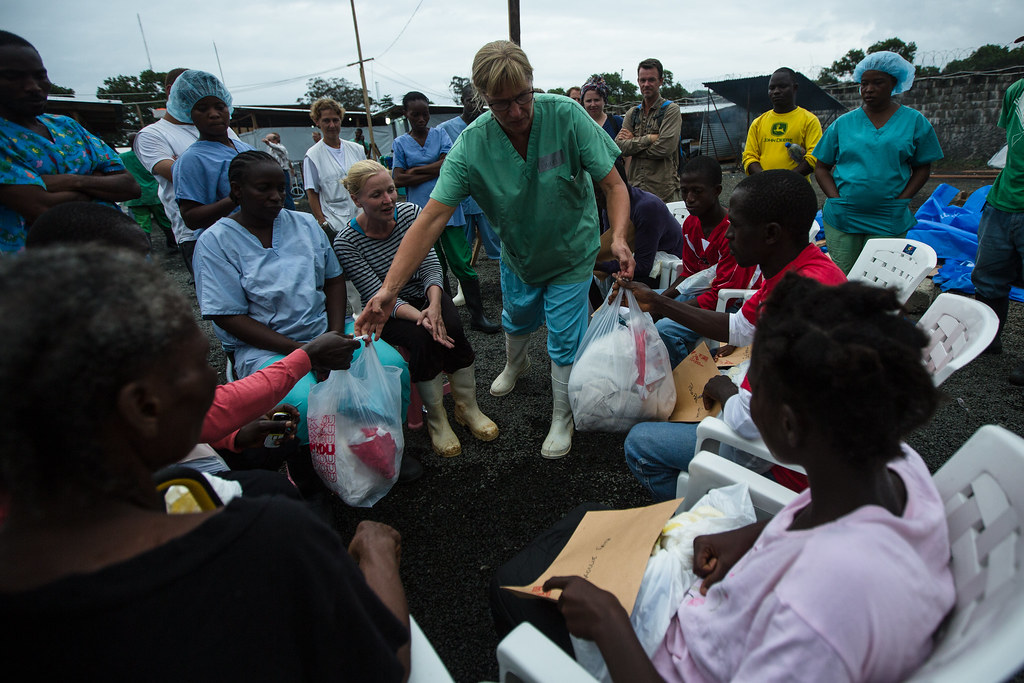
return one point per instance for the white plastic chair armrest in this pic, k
(726, 295)
(528, 655)
(425, 665)
(709, 471)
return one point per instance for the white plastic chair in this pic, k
(709, 471)
(982, 487)
(900, 264)
(666, 268)
(959, 329)
(425, 665)
(678, 210)
(727, 295)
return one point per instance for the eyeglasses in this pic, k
(522, 99)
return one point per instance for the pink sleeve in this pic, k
(238, 403)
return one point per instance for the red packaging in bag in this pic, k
(376, 451)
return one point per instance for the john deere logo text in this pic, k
(779, 129)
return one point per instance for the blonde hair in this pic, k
(500, 65)
(359, 173)
(317, 110)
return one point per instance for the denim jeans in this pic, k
(656, 452)
(1000, 252)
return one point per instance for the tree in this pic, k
(61, 91)
(348, 94)
(843, 67)
(671, 90)
(145, 90)
(987, 57)
(556, 91)
(457, 85)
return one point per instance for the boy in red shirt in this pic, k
(704, 245)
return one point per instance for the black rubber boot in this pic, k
(1001, 308)
(477, 320)
(1016, 376)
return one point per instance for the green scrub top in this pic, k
(871, 166)
(1007, 192)
(543, 207)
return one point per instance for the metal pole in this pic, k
(219, 67)
(362, 77)
(144, 43)
(513, 22)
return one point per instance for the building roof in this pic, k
(752, 93)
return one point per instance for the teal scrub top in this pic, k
(543, 207)
(871, 166)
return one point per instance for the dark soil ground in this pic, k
(471, 513)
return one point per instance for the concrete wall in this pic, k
(963, 108)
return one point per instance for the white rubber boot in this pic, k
(559, 439)
(442, 438)
(459, 299)
(517, 361)
(467, 412)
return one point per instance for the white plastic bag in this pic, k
(622, 374)
(355, 429)
(669, 572)
(698, 283)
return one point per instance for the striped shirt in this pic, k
(366, 260)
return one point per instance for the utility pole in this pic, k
(513, 22)
(362, 78)
(144, 43)
(219, 67)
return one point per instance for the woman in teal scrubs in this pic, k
(528, 162)
(873, 160)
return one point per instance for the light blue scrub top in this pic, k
(872, 166)
(408, 154)
(281, 287)
(454, 127)
(201, 172)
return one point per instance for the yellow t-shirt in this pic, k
(769, 133)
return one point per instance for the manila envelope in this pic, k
(735, 358)
(610, 548)
(690, 377)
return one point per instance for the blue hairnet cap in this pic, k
(890, 63)
(192, 86)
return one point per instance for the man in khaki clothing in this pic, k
(650, 137)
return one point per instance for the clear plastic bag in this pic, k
(698, 283)
(355, 429)
(622, 374)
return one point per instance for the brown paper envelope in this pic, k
(609, 548)
(735, 358)
(690, 377)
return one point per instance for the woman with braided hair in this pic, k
(595, 97)
(850, 580)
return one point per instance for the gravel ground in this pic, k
(469, 514)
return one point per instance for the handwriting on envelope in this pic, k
(690, 377)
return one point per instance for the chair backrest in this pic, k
(959, 329)
(900, 264)
(678, 210)
(982, 486)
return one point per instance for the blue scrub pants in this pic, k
(299, 395)
(1000, 260)
(477, 222)
(563, 308)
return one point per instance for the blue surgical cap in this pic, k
(192, 86)
(890, 63)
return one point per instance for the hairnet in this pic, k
(192, 86)
(890, 63)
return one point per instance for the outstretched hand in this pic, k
(256, 432)
(331, 351)
(375, 315)
(645, 296)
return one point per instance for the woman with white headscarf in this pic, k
(873, 160)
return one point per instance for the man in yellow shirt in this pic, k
(785, 135)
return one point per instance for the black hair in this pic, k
(786, 69)
(413, 96)
(240, 166)
(85, 321)
(11, 39)
(845, 356)
(74, 223)
(651, 63)
(780, 196)
(707, 168)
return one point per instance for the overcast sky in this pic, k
(274, 46)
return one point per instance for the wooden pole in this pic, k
(513, 22)
(362, 77)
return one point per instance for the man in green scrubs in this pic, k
(528, 162)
